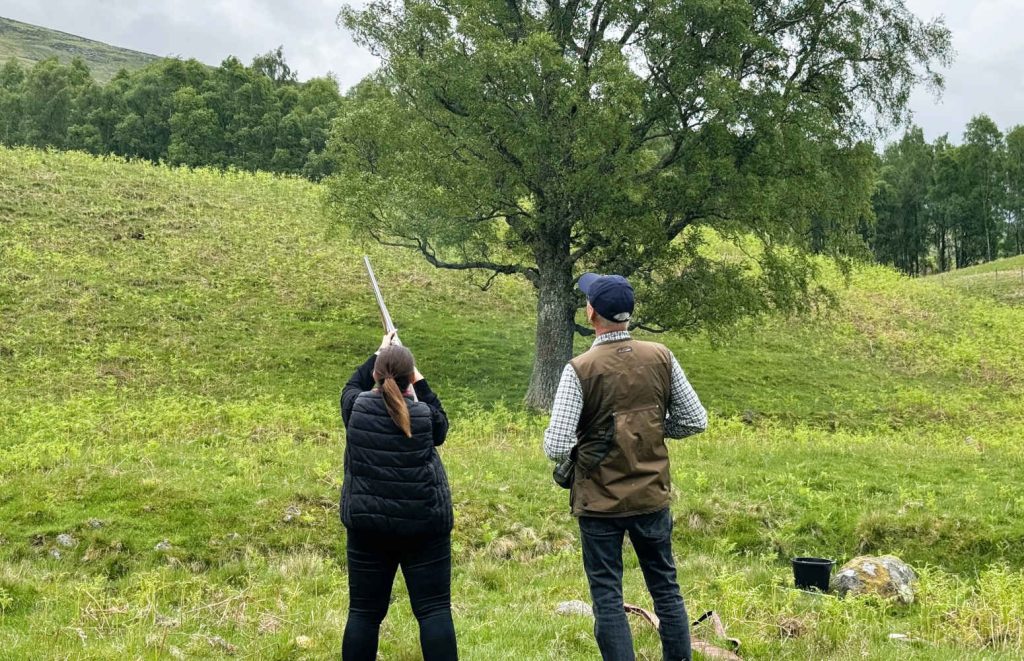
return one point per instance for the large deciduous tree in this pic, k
(542, 138)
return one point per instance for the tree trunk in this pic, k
(1017, 228)
(556, 323)
(985, 219)
(942, 250)
(988, 243)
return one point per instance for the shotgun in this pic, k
(385, 316)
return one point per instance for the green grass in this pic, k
(31, 43)
(1001, 280)
(1005, 264)
(172, 344)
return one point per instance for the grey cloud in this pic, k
(987, 76)
(211, 30)
(988, 73)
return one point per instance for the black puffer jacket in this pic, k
(393, 484)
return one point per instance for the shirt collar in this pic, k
(614, 336)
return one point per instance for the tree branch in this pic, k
(424, 248)
(449, 105)
(634, 25)
(517, 15)
(584, 331)
(598, 25)
(650, 329)
(588, 246)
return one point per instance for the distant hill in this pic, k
(31, 43)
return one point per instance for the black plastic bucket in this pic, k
(812, 573)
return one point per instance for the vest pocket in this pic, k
(634, 477)
(640, 430)
(630, 469)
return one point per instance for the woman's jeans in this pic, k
(651, 536)
(426, 564)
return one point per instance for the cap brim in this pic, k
(586, 280)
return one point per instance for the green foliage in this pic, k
(194, 130)
(984, 170)
(48, 107)
(541, 140)
(172, 344)
(29, 44)
(902, 230)
(1015, 189)
(181, 112)
(941, 206)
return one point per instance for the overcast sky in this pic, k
(987, 77)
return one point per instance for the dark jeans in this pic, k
(651, 535)
(426, 564)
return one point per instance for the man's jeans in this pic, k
(651, 535)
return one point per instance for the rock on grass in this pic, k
(886, 576)
(574, 607)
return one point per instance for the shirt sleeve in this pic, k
(560, 436)
(686, 415)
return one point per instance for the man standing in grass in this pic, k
(614, 407)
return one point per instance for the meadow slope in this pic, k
(1000, 279)
(172, 344)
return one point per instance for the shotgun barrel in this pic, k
(385, 316)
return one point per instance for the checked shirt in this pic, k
(685, 416)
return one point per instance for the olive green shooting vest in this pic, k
(622, 465)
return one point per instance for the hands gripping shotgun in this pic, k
(385, 316)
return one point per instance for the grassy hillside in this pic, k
(31, 43)
(1001, 280)
(172, 344)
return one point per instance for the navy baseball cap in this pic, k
(610, 295)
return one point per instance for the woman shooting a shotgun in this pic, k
(395, 503)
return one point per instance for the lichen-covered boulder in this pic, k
(886, 576)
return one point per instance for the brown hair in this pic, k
(393, 371)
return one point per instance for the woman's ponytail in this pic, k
(394, 369)
(395, 403)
